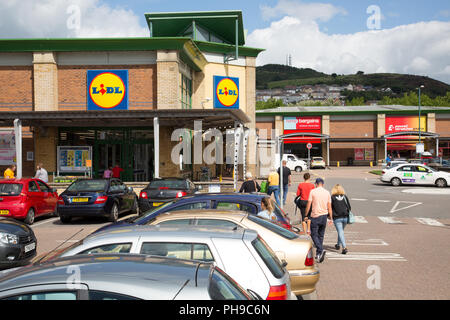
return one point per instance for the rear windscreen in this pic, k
(171, 184)
(268, 257)
(87, 186)
(10, 189)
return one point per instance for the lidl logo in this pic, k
(226, 92)
(107, 89)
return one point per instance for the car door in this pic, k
(37, 198)
(423, 175)
(127, 195)
(118, 193)
(406, 174)
(48, 198)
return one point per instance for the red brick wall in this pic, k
(353, 129)
(72, 86)
(443, 127)
(16, 88)
(268, 126)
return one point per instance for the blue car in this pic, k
(96, 198)
(250, 203)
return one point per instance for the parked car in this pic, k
(292, 162)
(122, 277)
(17, 243)
(295, 249)
(317, 162)
(439, 164)
(250, 203)
(25, 199)
(161, 191)
(257, 269)
(96, 198)
(415, 174)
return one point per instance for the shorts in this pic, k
(302, 206)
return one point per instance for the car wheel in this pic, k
(396, 182)
(64, 219)
(441, 183)
(298, 169)
(114, 214)
(134, 210)
(29, 219)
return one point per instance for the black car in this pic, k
(96, 198)
(160, 191)
(17, 243)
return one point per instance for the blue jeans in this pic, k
(276, 192)
(340, 224)
(285, 192)
(318, 226)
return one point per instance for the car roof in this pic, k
(21, 180)
(158, 276)
(193, 233)
(251, 197)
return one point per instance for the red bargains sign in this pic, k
(302, 125)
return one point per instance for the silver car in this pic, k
(119, 277)
(241, 253)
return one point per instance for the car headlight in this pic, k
(8, 238)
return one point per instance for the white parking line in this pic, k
(399, 203)
(368, 242)
(390, 220)
(360, 219)
(384, 201)
(430, 222)
(365, 256)
(355, 199)
(44, 222)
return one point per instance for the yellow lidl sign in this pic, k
(226, 92)
(107, 90)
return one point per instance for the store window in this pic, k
(186, 92)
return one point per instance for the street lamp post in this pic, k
(420, 140)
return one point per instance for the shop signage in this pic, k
(7, 148)
(226, 92)
(107, 90)
(359, 154)
(302, 125)
(396, 124)
(74, 159)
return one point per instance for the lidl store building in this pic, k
(357, 134)
(118, 100)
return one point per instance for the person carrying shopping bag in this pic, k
(341, 209)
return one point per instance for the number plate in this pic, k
(157, 204)
(80, 200)
(30, 247)
(4, 212)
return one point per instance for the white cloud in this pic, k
(304, 11)
(60, 18)
(421, 48)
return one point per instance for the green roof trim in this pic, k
(189, 51)
(227, 49)
(222, 23)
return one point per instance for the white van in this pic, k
(292, 162)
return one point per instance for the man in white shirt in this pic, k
(41, 173)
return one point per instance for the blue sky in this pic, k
(398, 12)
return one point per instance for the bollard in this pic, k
(220, 178)
(371, 164)
(338, 164)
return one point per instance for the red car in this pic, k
(26, 199)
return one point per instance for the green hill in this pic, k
(279, 76)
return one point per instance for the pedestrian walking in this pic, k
(267, 209)
(286, 180)
(108, 173)
(41, 173)
(117, 170)
(303, 191)
(274, 185)
(249, 185)
(341, 208)
(9, 172)
(319, 202)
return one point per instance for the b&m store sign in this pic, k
(226, 92)
(107, 90)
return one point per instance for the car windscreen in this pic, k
(269, 258)
(285, 233)
(152, 212)
(170, 184)
(222, 287)
(87, 186)
(10, 189)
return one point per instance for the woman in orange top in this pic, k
(9, 173)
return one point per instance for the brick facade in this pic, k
(72, 86)
(16, 89)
